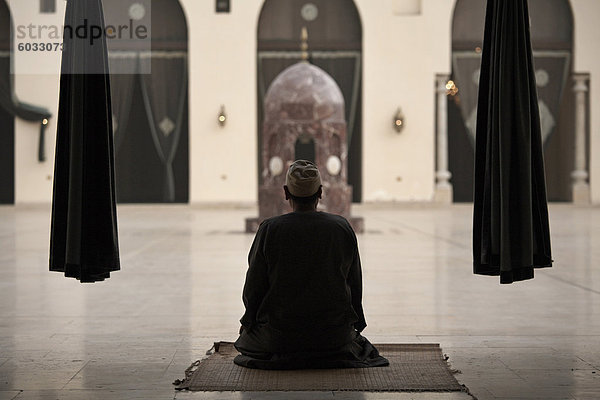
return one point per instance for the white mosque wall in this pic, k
(222, 50)
(402, 53)
(33, 180)
(223, 65)
(36, 82)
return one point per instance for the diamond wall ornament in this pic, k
(166, 126)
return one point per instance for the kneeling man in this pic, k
(303, 290)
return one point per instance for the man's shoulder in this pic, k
(315, 217)
(334, 218)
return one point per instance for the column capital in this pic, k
(443, 176)
(581, 82)
(579, 176)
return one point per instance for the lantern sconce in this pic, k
(451, 88)
(222, 116)
(399, 121)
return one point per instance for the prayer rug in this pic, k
(413, 368)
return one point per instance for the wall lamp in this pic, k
(222, 119)
(451, 88)
(399, 121)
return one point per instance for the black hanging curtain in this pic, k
(84, 243)
(511, 233)
(552, 68)
(465, 71)
(122, 85)
(164, 93)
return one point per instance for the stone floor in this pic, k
(179, 290)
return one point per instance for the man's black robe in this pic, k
(303, 296)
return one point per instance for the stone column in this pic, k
(581, 186)
(443, 187)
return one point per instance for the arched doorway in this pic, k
(305, 148)
(335, 45)
(552, 42)
(7, 121)
(150, 111)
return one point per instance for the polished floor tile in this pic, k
(179, 291)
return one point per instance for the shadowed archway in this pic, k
(552, 42)
(150, 111)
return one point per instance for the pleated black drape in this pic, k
(122, 82)
(164, 93)
(511, 233)
(84, 243)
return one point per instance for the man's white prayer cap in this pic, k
(303, 178)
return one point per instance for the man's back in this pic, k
(303, 291)
(304, 284)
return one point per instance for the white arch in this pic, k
(356, 6)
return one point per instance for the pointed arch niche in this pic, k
(150, 111)
(552, 42)
(335, 45)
